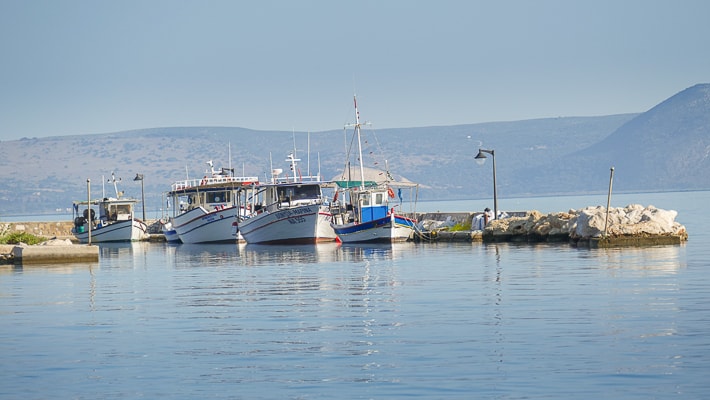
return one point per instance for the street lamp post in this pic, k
(480, 159)
(139, 177)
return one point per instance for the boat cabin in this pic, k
(297, 194)
(373, 204)
(113, 210)
(210, 199)
(275, 197)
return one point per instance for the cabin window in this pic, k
(284, 194)
(307, 192)
(379, 199)
(218, 197)
(119, 212)
(365, 199)
(302, 192)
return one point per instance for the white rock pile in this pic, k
(632, 220)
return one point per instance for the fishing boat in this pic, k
(204, 208)
(289, 209)
(109, 219)
(368, 214)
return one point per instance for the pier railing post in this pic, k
(608, 201)
(88, 208)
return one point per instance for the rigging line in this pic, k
(349, 153)
(378, 157)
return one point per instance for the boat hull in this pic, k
(393, 228)
(304, 224)
(171, 235)
(121, 231)
(200, 226)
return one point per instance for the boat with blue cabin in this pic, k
(369, 213)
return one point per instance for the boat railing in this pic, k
(215, 180)
(300, 179)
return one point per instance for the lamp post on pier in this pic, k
(139, 177)
(480, 160)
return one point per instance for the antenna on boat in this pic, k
(211, 170)
(293, 161)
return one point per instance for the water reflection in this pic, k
(114, 250)
(653, 260)
(196, 255)
(48, 268)
(373, 251)
(261, 254)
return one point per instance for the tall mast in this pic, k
(359, 145)
(229, 155)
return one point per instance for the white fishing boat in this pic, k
(204, 208)
(289, 209)
(368, 215)
(109, 219)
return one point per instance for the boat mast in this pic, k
(359, 145)
(229, 150)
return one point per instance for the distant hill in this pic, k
(665, 148)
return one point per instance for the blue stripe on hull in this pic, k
(380, 229)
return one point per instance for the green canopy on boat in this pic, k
(352, 184)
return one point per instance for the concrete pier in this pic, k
(55, 254)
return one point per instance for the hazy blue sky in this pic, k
(77, 67)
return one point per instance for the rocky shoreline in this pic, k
(633, 225)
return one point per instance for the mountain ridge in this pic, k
(545, 156)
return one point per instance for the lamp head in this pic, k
(139, 177)
(480, 158)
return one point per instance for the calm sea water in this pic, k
(497, 321)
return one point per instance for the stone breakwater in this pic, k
(630, 225)
(61, 229)
(45, 229)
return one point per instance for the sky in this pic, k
(74, 67)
